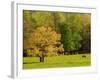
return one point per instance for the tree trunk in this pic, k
(42, 59)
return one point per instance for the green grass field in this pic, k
(57, 61)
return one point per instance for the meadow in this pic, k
(57, 61)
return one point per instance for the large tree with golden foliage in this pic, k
(44, 40)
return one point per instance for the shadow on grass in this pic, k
(30, 62)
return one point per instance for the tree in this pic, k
(42, 38)
(66, 37)
(28, 26)
(71, 40)
(43, 18)
(74, 22)
(86, 32)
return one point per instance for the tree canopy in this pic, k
(56, 32)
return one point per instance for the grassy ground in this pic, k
(57, 61)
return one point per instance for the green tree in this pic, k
(71, 28)
(86, 32)
(43, 18)
(66, 37)
(28, 26)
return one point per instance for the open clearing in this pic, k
(57, 61)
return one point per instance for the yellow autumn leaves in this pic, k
(44, 38)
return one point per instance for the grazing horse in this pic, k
(83, 56)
